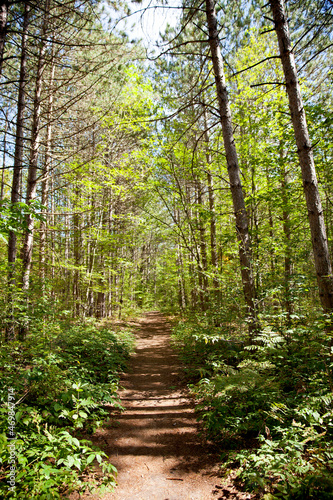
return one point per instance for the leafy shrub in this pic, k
(234, 402)
(205, 350)
(271, 400)
(61, 382)
(50, 461)
(94, 354)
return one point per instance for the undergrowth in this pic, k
(267, 403)
(60, 383)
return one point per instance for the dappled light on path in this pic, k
(155, 443)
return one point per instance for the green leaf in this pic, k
(69, 461)
(90, 458)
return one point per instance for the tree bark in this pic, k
(271, 228)
(211, 199)
(100, 305)
(77, 242)
(4, 157)
(19, 141)
(305, 155)
(45, 183)
(233, 169)
(3, 28)
(288, 266)
(17, 170)
(52, 196)
(202, 264)
(180, 265)
(34, 151)
(121, 292)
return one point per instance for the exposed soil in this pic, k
(156, 446)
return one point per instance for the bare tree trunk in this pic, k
(211, 199)
(45, 183)
(77, 255)
(90, 257)
(233, 169)
(202, 264)
(121, 292)
(271, 227)
(17, 170)
(181, 287)
(100, 309)
(3, 28)
(305, 155)
(4, 157)
(19, 146)
(53, 236)
(193, 282)
(287, 238)
(255, 227)
(179, 262)
(110, 225)
(191, 259)
(34, 151)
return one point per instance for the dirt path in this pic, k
(156, 447)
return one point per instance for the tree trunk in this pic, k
(19, 141)
(100, 305)
(4, 157)
(52, 195)
(287, 237)
(77, 242)
(45, 183)
(202, 264)
(271, 227)
(192, 258)
(255, 227)
(110, 255)
(34, 151)
(181, 286)
(17, 169)
(3, 28)
(180, 265)
(211, 199)
(233, 169)
(305, 155)
(121, 292)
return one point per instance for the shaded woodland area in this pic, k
(194, 178)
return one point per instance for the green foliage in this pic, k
(206, 350)
(62, 381)
(268, 404)
(13, 216)
(51, 462)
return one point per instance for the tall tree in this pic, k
(34, 151)
(305, 155)
(241, 216)
(47, 165)
(19, 138)
(4, 156)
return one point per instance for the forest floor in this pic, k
(155, 444)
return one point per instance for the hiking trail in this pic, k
(156, 446)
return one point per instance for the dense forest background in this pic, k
(179, 178)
